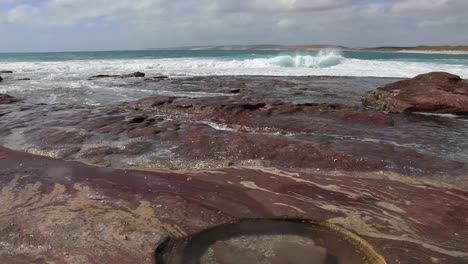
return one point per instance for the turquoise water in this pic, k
(64, 76)
(225, 54)
(237, 62)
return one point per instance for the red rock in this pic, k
(7, 99)
(253, 110)
(436, 92)
(100, 205)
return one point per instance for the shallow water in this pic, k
(269, 242)
(80, 90)
(439, 135)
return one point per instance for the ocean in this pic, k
(62, 77)
(237, 62)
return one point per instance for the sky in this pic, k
(77, 25)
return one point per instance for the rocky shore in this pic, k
(436, 92)
(99, 184)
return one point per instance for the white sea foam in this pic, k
(221, 127)
(325, 63)
(325, 58)
(67, 81)
(436, 114)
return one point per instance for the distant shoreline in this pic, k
(450, 50)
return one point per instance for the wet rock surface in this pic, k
(226, 148)
(8, 99)
(130, 75)
(234, 130)
(156, 78)
(242, 136)
(68, 212)
(436, 92)
(343, 90)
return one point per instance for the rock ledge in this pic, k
(435, 92)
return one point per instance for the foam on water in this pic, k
(326, 62)
(325, 58)
(64, 78)
(437, 114)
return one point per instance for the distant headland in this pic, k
(460, 49)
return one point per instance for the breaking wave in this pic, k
(324, 62)
(325, 58)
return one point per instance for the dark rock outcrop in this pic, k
(156, 78)
(6, 72)
(436, 92)
(1, 79)
(104, 76)
(8, 99)
(135, 74)
(130, 75)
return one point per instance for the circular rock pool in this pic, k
(269, 241)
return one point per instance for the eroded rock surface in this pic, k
(398, 181)
(216, 132)
(436, 92)
(67, 212)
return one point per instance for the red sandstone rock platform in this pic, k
(172, 166)
(67, 212)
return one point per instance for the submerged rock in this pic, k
(156, 78)
(135, 74)
(436, 92)
(130, 75)
(7, 99)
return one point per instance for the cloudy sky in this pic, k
(58, 25)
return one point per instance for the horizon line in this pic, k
(247, 46)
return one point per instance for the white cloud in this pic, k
(8, 1)
(287, 23)
(149, 23)
(420, 5)
(69, 12)
(21, 14)
(299, 5)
